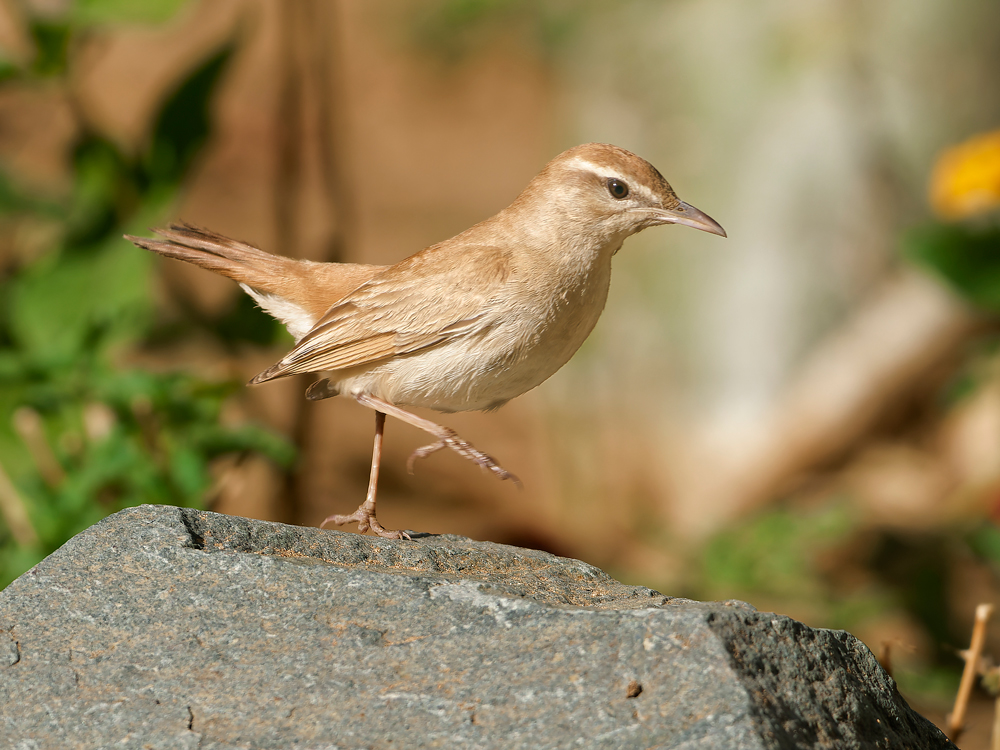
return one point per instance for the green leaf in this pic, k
(985, 541)
(120, 282)
(774, 553)
(189, 472)
(86, 12)
(215, 441)
(968, 258)
(43, 309)
(51, 40)
(58, 308)
(8, 69)
(103, 191)
(14, 200)
(452, 28)
(245, 321)
(15, 560)
(184, 122)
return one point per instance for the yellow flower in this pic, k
(966, 178)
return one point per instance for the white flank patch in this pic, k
(296, 320)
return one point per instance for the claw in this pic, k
(423, 452)
(465, 450)
(365, 521)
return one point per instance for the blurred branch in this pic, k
(286, 197)
(288, 120)
(995, 738)
(15, 41)
(14, 513)
(327, 62)
(311, 84)
(29, 426)
(956, 720)
(910, 326)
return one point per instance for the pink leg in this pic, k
(365, 514)
(446, 438)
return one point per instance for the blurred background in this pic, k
(805, 416)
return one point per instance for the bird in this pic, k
(463, 325)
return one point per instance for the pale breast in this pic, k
(521, 343)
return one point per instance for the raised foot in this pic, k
(464, 449)
(365, 520)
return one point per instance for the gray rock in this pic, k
(169, 628)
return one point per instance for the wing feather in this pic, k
(424, 301)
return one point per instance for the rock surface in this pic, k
(171, 628)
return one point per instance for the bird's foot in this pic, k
(423, 452)
(365, 519)
(446, 438)
(450, 439)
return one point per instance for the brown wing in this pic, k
(429, 298)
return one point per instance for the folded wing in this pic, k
(416, 304)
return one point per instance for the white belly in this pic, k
(522, 348)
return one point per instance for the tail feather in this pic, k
(296, 292)
(231, 258)
(226, 247)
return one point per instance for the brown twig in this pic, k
(14, 512)
(327, 63)
(314, 70)
(28, 425)
(995, 739)
(956, 719)
(288, 131)
(885, 656)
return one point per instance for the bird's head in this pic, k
(611, 191)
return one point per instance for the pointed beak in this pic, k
(689, 216)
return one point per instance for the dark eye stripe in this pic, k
(617, 188)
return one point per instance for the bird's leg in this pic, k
(446, 438)
(365, 514)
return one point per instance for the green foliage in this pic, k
(795, 556)
(915, 566)
(62, 309)
(828, 565)
(15, 201)
(984, 541)
(791, 557)
(183, 125)
(113, 437)
(51, 35)
(154, 438)
(51, 40)
(775, 555)
(124, 11)
(452, 27)
(967, 257)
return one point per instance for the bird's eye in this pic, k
(617, 188)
